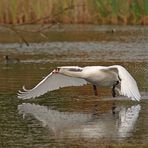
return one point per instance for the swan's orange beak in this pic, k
(56, 70)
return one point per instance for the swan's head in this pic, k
(62, 69)
(67, 70)
(56, 70)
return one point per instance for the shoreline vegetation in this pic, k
(126, 12)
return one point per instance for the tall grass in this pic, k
(85, 11)
(123, 11)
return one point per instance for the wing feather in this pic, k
(129, 86)
(51, 82)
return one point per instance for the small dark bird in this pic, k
(9, 60)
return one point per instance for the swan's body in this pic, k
(64, 76)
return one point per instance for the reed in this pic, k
(85, 11)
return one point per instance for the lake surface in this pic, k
(73, 117)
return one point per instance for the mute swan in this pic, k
(114, 76)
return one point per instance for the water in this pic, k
(74, 117)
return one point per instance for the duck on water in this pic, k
(10, 60)
(116, 77)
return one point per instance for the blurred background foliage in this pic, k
(79, 11)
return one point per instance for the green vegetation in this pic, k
(80, 11)
(123, 12)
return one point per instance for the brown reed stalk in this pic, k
(91, 11)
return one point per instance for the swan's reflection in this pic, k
(54, 120)
(127, 120)
(83, 125)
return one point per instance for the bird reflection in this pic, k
(128, 118)
(54, 120)
(74, 124)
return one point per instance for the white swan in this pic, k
(114, 76)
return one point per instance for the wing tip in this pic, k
(24, 89)
(136, 97)
(21, 95)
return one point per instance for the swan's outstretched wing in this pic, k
(128, 84)
(51, 82)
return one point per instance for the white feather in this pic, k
(77, 76)
(128, 84)
(50, 83)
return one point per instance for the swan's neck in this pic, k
(75, 74)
